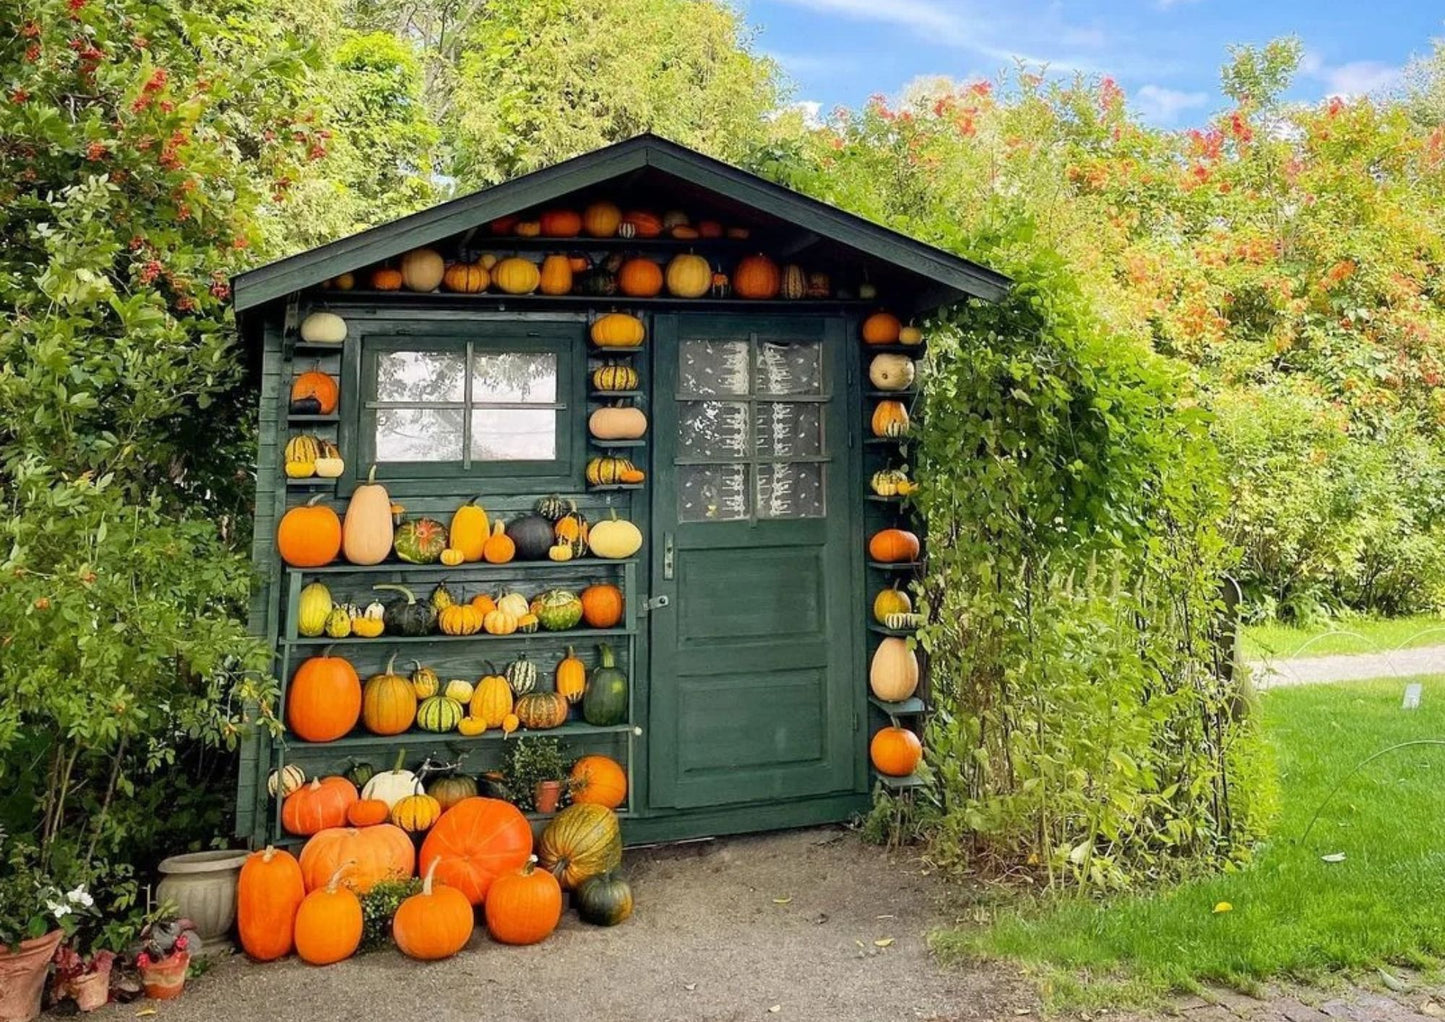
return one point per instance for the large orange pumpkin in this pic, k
(388, 702)
(600, 780)
(323, 701)
(524, 905)
(328, 923)
(561, 223)
(758, 277)
(433, 924)
(268, 892)
(315, 384)
(640, 278)
(895, 751)
(474, 842)
(601, 219)
(309, 535)
(881, 328)
(602, 605)
(314, 807)
(380, 852)
(893, 546)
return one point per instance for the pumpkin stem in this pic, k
(269, 853)
(605, 657)
(400, 761)
(326, 651)
(371, 475)
(391, 663)
(335, 881)
(430, 872)
(410, 596)
(313, 500)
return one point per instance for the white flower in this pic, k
(58, 909)
(80, 896)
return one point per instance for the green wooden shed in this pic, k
(748, 630)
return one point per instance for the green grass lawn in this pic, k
(1294, 916)
(1362, 635)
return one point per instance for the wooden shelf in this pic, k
(899, 783)
(910, 707)
(420, 739)
(892, 633)
(312, 483)
(617, 443)
(582, 243)
(876, 441)
(894, 349)
(371, 299)
(333, 417)
(891, 395)
(878, 498)
(616, 486)
(896, 565)
(571, 635)
(459, 571)
(608, 395)
(312, 348)
(603, 350)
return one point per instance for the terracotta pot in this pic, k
(165, 980)
(22, 977)
(203, 887)
(92, 990)
(548, 794)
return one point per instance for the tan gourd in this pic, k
(367, 530)
(620, 423)
(893, 674)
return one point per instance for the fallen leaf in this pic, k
(689, 987)
(775, 1009)
(1432, 1009)
(859, 943)
(883, 942)
(1223, 906)
(885, 917)
(144, 1012)
(1333, 857)
(1395, 983)
(1023, 1011)
(782, 901)
(822, 918)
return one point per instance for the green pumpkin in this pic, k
(522, 675)
(604, 702)
(557, 610)
(420, 541)
(532, 535)
(359, 773)
(603, 900)
(406, 616)
(597, 283)
(438, 714)
(555, 506)
(442, 597)
(451, 788)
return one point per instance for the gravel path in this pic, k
(1352, 667)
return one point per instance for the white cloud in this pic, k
(1360, 77)
(1165, 5)
(1163, 106)
(814, 63)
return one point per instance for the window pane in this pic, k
(527, 376)
(418, 434)
(788, 430)
(712, 429)
(790, 368)
(712, 493)
(420, 376)
(514, 434)
(712, 367)
(790, 491)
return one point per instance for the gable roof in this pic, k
(949, 277)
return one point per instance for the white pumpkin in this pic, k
(286, 780)
(514, 604)
(621, 423)
(391, 786)
(893, 675)
(614, 538)
(323, 328)
(891, 372)
(422, 269)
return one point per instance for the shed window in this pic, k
(481, 407)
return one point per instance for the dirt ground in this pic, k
(803, 925)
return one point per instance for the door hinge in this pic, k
(855, 720)
(651, 603)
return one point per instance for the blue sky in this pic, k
(1165, 53)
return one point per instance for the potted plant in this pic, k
(534, 773)
(85, 979)
(36, 913)
(165, 955)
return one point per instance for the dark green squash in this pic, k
(358, 773)
(597, 283)
(603, 900)
(532, 535)
(604, 703)
(406, 616)
(420, 541)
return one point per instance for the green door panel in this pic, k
(753, 684)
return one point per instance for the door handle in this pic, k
(669, 553)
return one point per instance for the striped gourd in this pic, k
(522, 675)
(609, 471)
(614, 377)
(900, 621)
(303, 448)
(439, 714)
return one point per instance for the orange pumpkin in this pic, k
(643, 223)
(499, 547)
(640, 278)
(386, 278)
(434, 924)
(371, 854)
(895, 751)
(556, 275)
(268, 892)
(503, 225)
(602, 605)
(474, 842)
(466, 278)
(309, 535)
(315, 384)
(599, 779)
(601, 219)
(323, 701)
(328, 923)
(757, 277)
(368, 812)
(561, 223)
(709, 229)
(524, 905)
(881, 328)
(893, 546)
(388, 702)
(314, 807)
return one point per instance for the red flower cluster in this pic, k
(96, 151)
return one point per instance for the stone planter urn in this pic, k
(22, 976)
(203, 887)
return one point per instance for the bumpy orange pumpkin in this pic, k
(757, 277)
(599, 780)
(474, 842)
(316, 806)
(371, 854)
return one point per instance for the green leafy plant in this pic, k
(379, 905)
(529, 760)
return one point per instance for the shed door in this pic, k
(751, 693)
